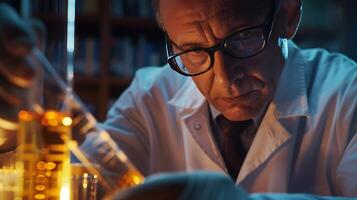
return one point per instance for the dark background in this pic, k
(330, 24)
(116, 37)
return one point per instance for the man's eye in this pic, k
(195, 57)
(248, 35)
(197, 53)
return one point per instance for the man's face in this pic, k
(239, 88)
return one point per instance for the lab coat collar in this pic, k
(188, 97)
(270, 136)
(193, 110)
(290, 97)
(289, 104)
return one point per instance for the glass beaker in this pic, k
(53, 123)
(83, 183)
(44, 130)
(9, 189)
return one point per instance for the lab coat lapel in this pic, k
(201, 151)
(270, 136)
(281, 120)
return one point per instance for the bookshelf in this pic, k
(109, 47)
(122, 34)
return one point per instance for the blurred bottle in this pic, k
(46, 124)
(43, 155)
(44, 130)
(84, 184)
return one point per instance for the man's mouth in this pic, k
(244, 99)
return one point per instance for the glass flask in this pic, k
(52, 124)
(44, 131)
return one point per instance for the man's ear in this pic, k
(291, 14)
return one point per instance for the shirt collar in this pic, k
(188, 96)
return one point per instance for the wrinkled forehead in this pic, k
(213, 8)
(196, 19)
(242, 7)
(187, 17)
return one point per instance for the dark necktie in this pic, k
(233, 143)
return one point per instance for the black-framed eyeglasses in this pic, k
(240, 44)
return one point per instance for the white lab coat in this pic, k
(306, 142)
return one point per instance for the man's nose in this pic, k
(227, 70)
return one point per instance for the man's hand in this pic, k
(16, 75)
(16, 36)
(196, 185)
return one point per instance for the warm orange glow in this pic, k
(48, 173)
(49, 180)
(67, 121)
(40, 196)
(65, 193)
(50, 118)
(54, 118)
(53, 122)
(41, 179)
(40, 187)
(41, 165)
(25, 116)
(44, 122)
(137, 180)
(50, 115)
(85, 180)
(50, 165)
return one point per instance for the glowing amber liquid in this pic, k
(43, 155)
(130, 179)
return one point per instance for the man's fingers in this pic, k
(17, 72)
(16, 37)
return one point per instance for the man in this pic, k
(292, 111)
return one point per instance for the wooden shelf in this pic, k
(88, 89)
(90, 25)
(135, 25)
(85, 25)
(100, 89)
